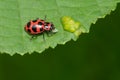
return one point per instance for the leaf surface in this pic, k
(14, 14)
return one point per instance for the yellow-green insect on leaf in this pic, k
(69, 24)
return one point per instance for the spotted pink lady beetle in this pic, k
(38, 26)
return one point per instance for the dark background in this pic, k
(94, 56)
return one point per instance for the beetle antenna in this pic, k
(45, 18)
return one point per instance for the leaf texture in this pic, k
(14, 14)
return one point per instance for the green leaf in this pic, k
(14, 14)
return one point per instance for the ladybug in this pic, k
(38, 26)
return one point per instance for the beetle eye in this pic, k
(52, 26)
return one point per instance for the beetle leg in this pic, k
(43, 36)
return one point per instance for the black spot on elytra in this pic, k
(41, 29)
(29, 30)
(34, 21)
(28, 24)
(40, 23)
(34, 28)
(42, 20)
